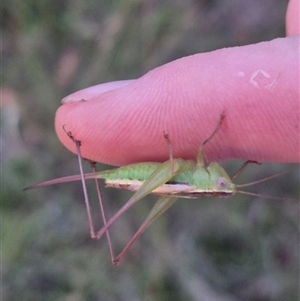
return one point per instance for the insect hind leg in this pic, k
(162, 204)
(86, 198)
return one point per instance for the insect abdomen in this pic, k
(138, 172)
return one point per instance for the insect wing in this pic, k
(160, 176)
(55, 181)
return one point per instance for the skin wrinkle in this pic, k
(164, 115)
(141, 109)
(190, 123)
(139, 118)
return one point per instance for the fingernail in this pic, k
(91, 92)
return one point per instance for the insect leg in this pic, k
(222, 116)
(93, 165)
(159, 177)
(201, 158)
(243, 167)
(162, 204)
(86, 198)
(166, 136)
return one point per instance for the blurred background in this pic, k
(242, 248)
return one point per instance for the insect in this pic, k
(173, 179)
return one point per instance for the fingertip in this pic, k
(293, 18)
(185, 98)
(94, 91)
(63, 125)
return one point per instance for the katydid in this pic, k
(175, 178)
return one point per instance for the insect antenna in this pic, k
(261, 181)
(264, 179)
(265, 196)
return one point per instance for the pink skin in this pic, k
(257, 86)
(293, 18)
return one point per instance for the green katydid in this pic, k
(175, 178)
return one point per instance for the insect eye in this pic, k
(222, 182)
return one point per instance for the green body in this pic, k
(192, 180)
(171, 179)
(197, 181)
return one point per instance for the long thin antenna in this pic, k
(265, 179)
(266, 196)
